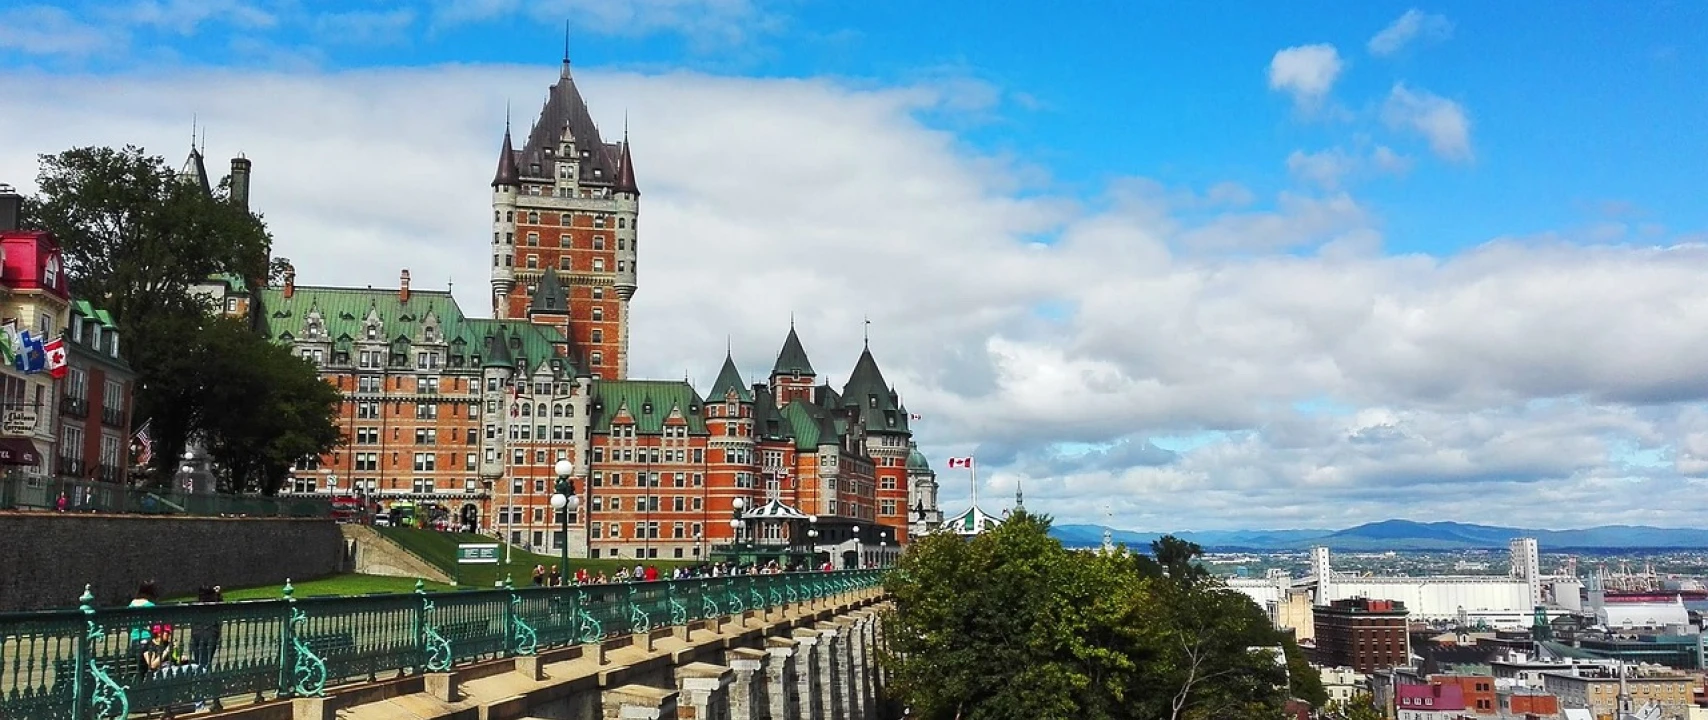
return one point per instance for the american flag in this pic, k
(144, 444)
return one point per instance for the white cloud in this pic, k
(1307, 72)
(1443, 122)
(1334, 166)
(185, 17)
(44, 30)
(1334, 384)
(1414, 24)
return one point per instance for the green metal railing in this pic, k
(88, 664)
(21, 491)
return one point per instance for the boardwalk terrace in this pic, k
(797, 643)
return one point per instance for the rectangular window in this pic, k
(425, 462)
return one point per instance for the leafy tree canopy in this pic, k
(1010, 624)
(136, 238)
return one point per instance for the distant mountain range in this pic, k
(1402, 535)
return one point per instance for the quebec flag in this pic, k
(32, 357)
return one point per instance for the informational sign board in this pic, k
(477, 554)
(19, 422)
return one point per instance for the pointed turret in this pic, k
(729, 379)
(507, 175)
(867, 391)
(498, 351)
(792, 360)
(195, 171)
(626, 170)
(549, 297)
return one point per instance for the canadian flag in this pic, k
(965, 462)
(55, 352)
(913, 416)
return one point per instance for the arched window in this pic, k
(541, 410)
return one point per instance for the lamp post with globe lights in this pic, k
(564, 502)
(812, 538)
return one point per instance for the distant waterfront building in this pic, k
(1363, 634)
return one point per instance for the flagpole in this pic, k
(973, 467)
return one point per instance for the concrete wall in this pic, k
(375, 554)
(50, 556)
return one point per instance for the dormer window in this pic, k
(872, 400)
(373, 333)
(646, 408)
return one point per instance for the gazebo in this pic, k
(775, 532)
(972, 521)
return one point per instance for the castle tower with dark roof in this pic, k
(567, 201)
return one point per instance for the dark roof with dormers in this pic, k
(498, 351)
(564, 108)
(729, 378)
(867, 391)
(793, 358)
(549, 296)
(507, 176)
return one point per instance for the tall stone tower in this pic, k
(567, 201)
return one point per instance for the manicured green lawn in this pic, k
(340, 585)
(440, 549)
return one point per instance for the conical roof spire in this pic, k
(626, 170)
(793, 358)
(507, 175)
(729, 378)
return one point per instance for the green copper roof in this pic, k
(916, 459)
(236, 283)
(343, 317)
(793, 358)
(729, 378)
(82, 307)
(660, 397)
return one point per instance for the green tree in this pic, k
(136, 238)
(262, 407)
(1009, 624)
(1361, 707)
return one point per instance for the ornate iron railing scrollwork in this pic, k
(107, 698)
(307, 673)
(435, 645)
(735, 605)
(639, 620)
(678, 611)
(708, 607)
(589, 629)
(523, 639)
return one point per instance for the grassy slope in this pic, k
(440, 549)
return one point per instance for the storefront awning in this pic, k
(18, 451)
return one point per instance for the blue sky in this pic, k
(1582, 114)
(1271, 292)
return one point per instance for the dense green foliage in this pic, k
(136, 238)
(1010, 624)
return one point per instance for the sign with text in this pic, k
(477, 554)
(19, 422)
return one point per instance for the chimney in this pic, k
(11, 207)
(240, 181)
(403, 287)
(290, 281)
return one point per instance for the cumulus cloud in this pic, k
(46, 30)
(1306, 72)
(1442, 122)
(1198, 356)
(1413, 25)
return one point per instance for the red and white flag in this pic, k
(913, 416)
(960, 462)
(54, 350)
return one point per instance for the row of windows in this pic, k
(532, 262)
(563, 219)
